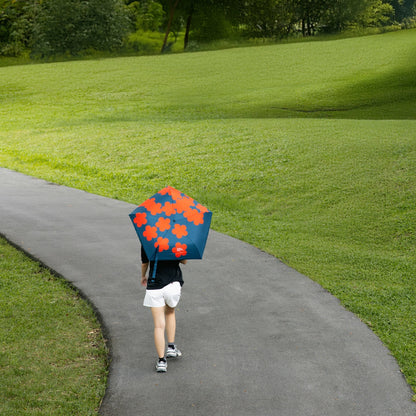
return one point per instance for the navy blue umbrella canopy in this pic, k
(172, 226)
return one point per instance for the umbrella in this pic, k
(172, 226)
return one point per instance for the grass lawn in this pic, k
(40, 315)
(306, 150)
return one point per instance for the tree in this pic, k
(378, 14)
(268, 18)
(148, 15)
(207, 19)
(73, 26)
(171, 9)
(309, 13)
(210, 19)
(341, 14)
(403, 8)
(16, 25)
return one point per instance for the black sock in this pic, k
(162, 359)
(171, 346)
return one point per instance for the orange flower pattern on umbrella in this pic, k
(150, 232)
(140, 219)
(162, 244)
(202, 208)
(183, 204)
(170, 216)
(193, 215)
(153, 206)
(174, 193)
(180, 250)
(169, 209)
(163, 224)
(180, 230)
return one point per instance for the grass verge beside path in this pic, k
(52, 353)
(307, 151)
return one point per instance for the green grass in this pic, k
(306, 150)
(40, 316)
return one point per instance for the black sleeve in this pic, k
(144, 256)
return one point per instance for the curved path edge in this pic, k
(258, 337)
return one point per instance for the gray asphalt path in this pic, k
(257, 337)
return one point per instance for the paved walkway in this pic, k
(258, 338)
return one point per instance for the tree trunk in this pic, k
(188, 28)
(172, 9)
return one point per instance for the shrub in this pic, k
(409, 23)
(145, 42)
(73, 26)
(211, 25)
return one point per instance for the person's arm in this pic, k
(145, 266)
(184, 261)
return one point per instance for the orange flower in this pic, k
(180, 230)
(180, 250)
(140, 219)
(184, 204)
(165, 191)
(152, 206)
(193, 215)
(169, 208)
(174, 193)
(163, 224)
(202, 208)
(150, 232)
(162, 243)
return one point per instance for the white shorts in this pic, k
(169, 295)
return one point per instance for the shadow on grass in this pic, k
(378, 95)
(388, 96)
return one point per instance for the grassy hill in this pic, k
(305, 150)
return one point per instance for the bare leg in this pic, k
(160, 323)
(170, 319)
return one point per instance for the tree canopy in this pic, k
(51, 27)
(72, 26)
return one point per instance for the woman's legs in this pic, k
(159, 333)
(164, 318)
(170, 320)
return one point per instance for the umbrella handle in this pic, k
(154, 268)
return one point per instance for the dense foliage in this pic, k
(72, 26)
(52, 27)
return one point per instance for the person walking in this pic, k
(163, 292)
